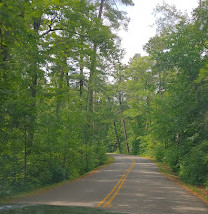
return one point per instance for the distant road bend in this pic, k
(130, 185)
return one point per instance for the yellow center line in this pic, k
(101, 202)
(116, 188)
(108, 203)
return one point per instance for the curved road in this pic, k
(130, 185)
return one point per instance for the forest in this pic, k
(66, 97)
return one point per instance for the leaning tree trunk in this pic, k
(117, 137)
(125, 135)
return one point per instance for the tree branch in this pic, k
(51, 30)
(55, 29)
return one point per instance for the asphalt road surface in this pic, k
(130, 185)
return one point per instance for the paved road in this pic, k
(130, 185)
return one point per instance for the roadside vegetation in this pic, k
(18, 195)
(167, 95)
(55, 58)
(164, 96)
(66, 98)
(165, 169)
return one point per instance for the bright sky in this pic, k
(140, 27)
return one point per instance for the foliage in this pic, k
(54, 58)
(165, 94)
(60, 114)
(194, 166)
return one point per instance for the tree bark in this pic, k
(25, 158)
(33, 90)
(124, 125)
(92, 79)
(93, 66)
(81, 81)
(101, 9)
(117, 138)
(125, 135)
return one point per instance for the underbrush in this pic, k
(9, 190)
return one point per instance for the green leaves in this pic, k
(54, 56)
(203, 75)
(180, 104)
(163, 97)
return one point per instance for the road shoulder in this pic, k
(200, 192)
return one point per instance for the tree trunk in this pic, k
(124, 125)
(67, 79)
(25, 158)
(117, 138)
(101, 9)
(93, 66)
(125, 136)
(92, 79)
(81, 81)
(33, 90)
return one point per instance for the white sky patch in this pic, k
(141, 25)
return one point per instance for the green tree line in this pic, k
(66, 98)
(54, 56)
(165, 94)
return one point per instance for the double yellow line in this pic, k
(106, 202)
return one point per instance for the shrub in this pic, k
(194, 166)
(159, 152)
(172, 156)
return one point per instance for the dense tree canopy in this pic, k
(60, 111)
(55, 57)
(166, 94)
